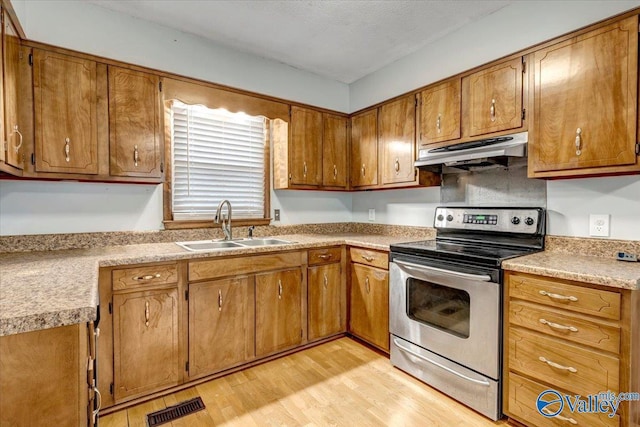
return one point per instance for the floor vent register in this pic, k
(174, 412)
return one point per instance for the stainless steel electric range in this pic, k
(445, 300)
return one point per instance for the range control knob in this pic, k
(529, 221)
(449, 218)
(440, 217)
(515, 220)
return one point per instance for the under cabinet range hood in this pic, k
(479, 153)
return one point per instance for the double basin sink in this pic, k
(208, 245)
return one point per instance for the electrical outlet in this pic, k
(276, 214)
(372, 214)
(599, 225)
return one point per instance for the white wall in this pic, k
(89, 28)
(520, 25)
(311, 207)
(402, 207)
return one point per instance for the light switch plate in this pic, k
(599, 225)
(372, 214)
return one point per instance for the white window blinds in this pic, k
(217, 155)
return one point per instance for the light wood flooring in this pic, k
(340, 383)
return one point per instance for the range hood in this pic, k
(476, 153)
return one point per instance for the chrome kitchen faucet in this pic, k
(226, 222)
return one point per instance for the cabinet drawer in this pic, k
(216, 268)
(565, 325)
(325, 255)
(562, 364)
(368, 257)
(523, 395)
(127, 278)
(554, 293)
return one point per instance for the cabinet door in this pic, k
(324, 300)
(492, 99)
(221, 325)
(145, 341)
(278, 311)
(306, 147)
(439, 114)
(134, 123)
(334, 151)
(396, 124)
(585, 100)
(65, 103)
(13, 131)
(370, 305)
(364, 149)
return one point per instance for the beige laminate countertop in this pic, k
(40, 290)
(581, 268)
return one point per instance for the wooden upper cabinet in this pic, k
(334, 151)
(306, 147)
(439, 112)
(585, 103)
(135, 138)
(396, 125)
(492, 99)
(13, 130)
(364, 149)
(65, 103)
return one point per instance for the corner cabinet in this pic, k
(135, 138)
(585, 104)
(65, 112)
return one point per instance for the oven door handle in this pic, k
(427, 269)
(439, 365)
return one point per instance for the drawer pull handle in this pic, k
(557, 366)
(578, 141)
(366, 285)
(559, 297)
(136, 156)
(67, 149)
(558, 326)
(279, 289)
(219, 300)
(325, 256)
(15, 130)
(146, 313)
(368, 258)
(492, 110)
(397, 166)
(438, 124)
(326, 281)
(560, 417)
(304, 169)
(335, 172)
(147, 277)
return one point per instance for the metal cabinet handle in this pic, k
(578, 141)
(557, 366)
(135, 156)
(67, 149)
(560, 417)
(335, 172)
(366, 285)
(304, 169)
(325, 256)
(492, 110)
(99, 406)
(279, 289)
(146, 313)
(326, 281)
(15, 130)
(219, 300)
(363, 169)
(558, 297)
(397, 166)
(438, 124)
(148, 277)
(368, 258)
(558, 326)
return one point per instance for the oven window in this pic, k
(439, 306)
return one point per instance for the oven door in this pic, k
(453, 311)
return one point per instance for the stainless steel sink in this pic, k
(263, 242)
(211, 245)
(208, 245)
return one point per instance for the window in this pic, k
(217, 155)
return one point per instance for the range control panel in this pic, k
(507, 220)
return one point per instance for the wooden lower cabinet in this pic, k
(278, 311)
(370, 305)
(221, 319)
(43, 378)
(325, 301)
(146, 348)
(571, 337)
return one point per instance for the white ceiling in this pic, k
(343, 40)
